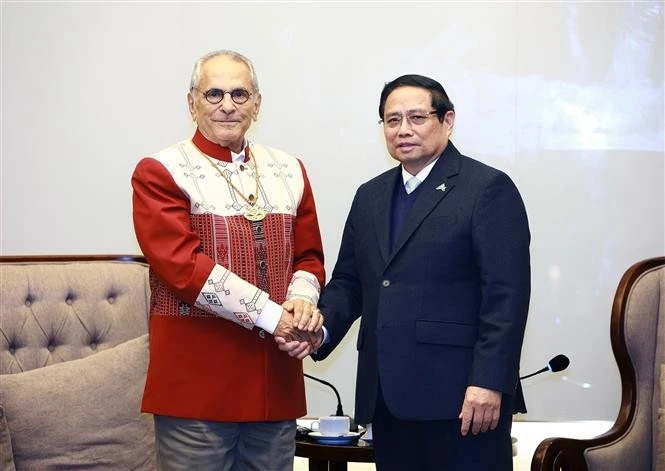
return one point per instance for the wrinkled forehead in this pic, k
(226, 73)
(408, 98)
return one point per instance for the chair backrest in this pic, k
(638, 341)
(61, 308)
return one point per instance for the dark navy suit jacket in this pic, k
(447, 306)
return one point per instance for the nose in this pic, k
(404, 127)
(227, 105)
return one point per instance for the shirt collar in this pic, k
(420, 175)
(219, 152)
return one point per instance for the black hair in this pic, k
(440, 101)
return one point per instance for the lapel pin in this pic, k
(441, 187)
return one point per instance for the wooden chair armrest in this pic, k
(567, 454)
(554, 454)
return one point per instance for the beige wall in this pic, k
(567, 98)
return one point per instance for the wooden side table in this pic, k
(334, 457)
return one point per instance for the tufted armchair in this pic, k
(73, 358)
(636, 441)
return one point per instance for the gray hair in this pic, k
(196, 74)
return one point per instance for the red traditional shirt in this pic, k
(217, 278)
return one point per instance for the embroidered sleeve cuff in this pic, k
(226, 295)
(305, 286)
(269, 317)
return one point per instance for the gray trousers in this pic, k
(184, 444)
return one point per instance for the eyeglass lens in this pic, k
(238, 95)
(415, 119)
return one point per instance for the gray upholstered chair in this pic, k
(73, 359)
(636, 441)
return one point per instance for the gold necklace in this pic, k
(252, 211)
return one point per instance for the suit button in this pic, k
(385, 283)
(262, 333)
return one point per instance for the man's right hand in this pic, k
(286, 330)
(298, 348)
(297, 343)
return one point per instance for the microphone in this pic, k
(339, 412)
(558, 363)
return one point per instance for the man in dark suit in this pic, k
(440, 275)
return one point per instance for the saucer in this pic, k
(347, 439)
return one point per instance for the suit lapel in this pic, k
(382, 209)
(438, 184)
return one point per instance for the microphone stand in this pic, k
(339, 412)
(542, 370)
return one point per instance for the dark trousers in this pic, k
(438, 445)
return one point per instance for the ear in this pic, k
(449, 121)
(190, 104)
(257, 107)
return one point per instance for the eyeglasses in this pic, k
(215, 96)
(414, 119)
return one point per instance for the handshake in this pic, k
(299, 331)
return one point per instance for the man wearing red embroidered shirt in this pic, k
(230, 231)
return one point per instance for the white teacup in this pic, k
(331, 426)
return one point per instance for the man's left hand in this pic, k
(306, 316)
(481, 410)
